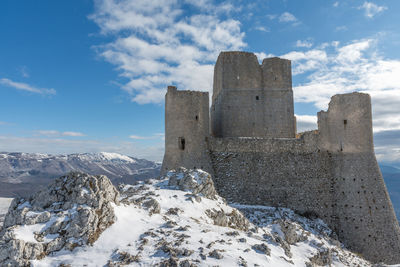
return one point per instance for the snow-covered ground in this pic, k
(174, 223)
(184, 229)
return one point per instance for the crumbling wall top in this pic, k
(347, 124)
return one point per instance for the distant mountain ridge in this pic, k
(23, 173)
(391, 175)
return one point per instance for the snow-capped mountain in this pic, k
(178, 220)
(22, 173)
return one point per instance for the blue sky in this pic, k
(89, 76)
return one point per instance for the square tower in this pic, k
(250, 100)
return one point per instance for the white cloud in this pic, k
(336, 4)
(24, 71)
(272, 16)
(26, 87)
(55, 133)
(74, 134)
(341, 28)
(306, 123)
(261, 55)
(262, 29)
(287, 17)
(172, 47)
(137, 137)
(357, 66)
(307, 61)
(208, 5)
(304, 43)
(3, 123)
(372, 9)
(335, 68)
(154, 136)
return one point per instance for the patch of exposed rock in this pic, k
(200, 183)
(262, 248)
(234, 219)
(322, 258)
(196, 181)
(74, 210)
(122, 258)
(139, 196)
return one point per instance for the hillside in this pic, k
(176, 221)
(24, 173)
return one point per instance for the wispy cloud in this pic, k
(209, 6)
(172, 47)
(24, 71)
(55, 133)
(341, 28)
(336, 4)
(72, 134)
(154, 136)
(262, 29)
(333, 68)
(26, 87)
(287, 17)
(305, 43)
(137, 137)
(3, 123)
(371, 9)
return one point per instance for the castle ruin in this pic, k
(248, 142)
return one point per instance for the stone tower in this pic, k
(186, 130)
(363, 216)
(250, 100)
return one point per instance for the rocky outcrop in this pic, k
(200, 183)
(196, 181)
(74, 210)
(233, 219)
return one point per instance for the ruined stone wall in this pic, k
(347, 125)
(365, 217)
(186, 130)
(250, 100)
(254, 158)
(331, 173)
(277, 172)
(346, 190)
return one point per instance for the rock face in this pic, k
(74, 210)
(198, 182)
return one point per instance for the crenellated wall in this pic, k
(331, 173)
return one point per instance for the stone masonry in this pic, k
(248, 142)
